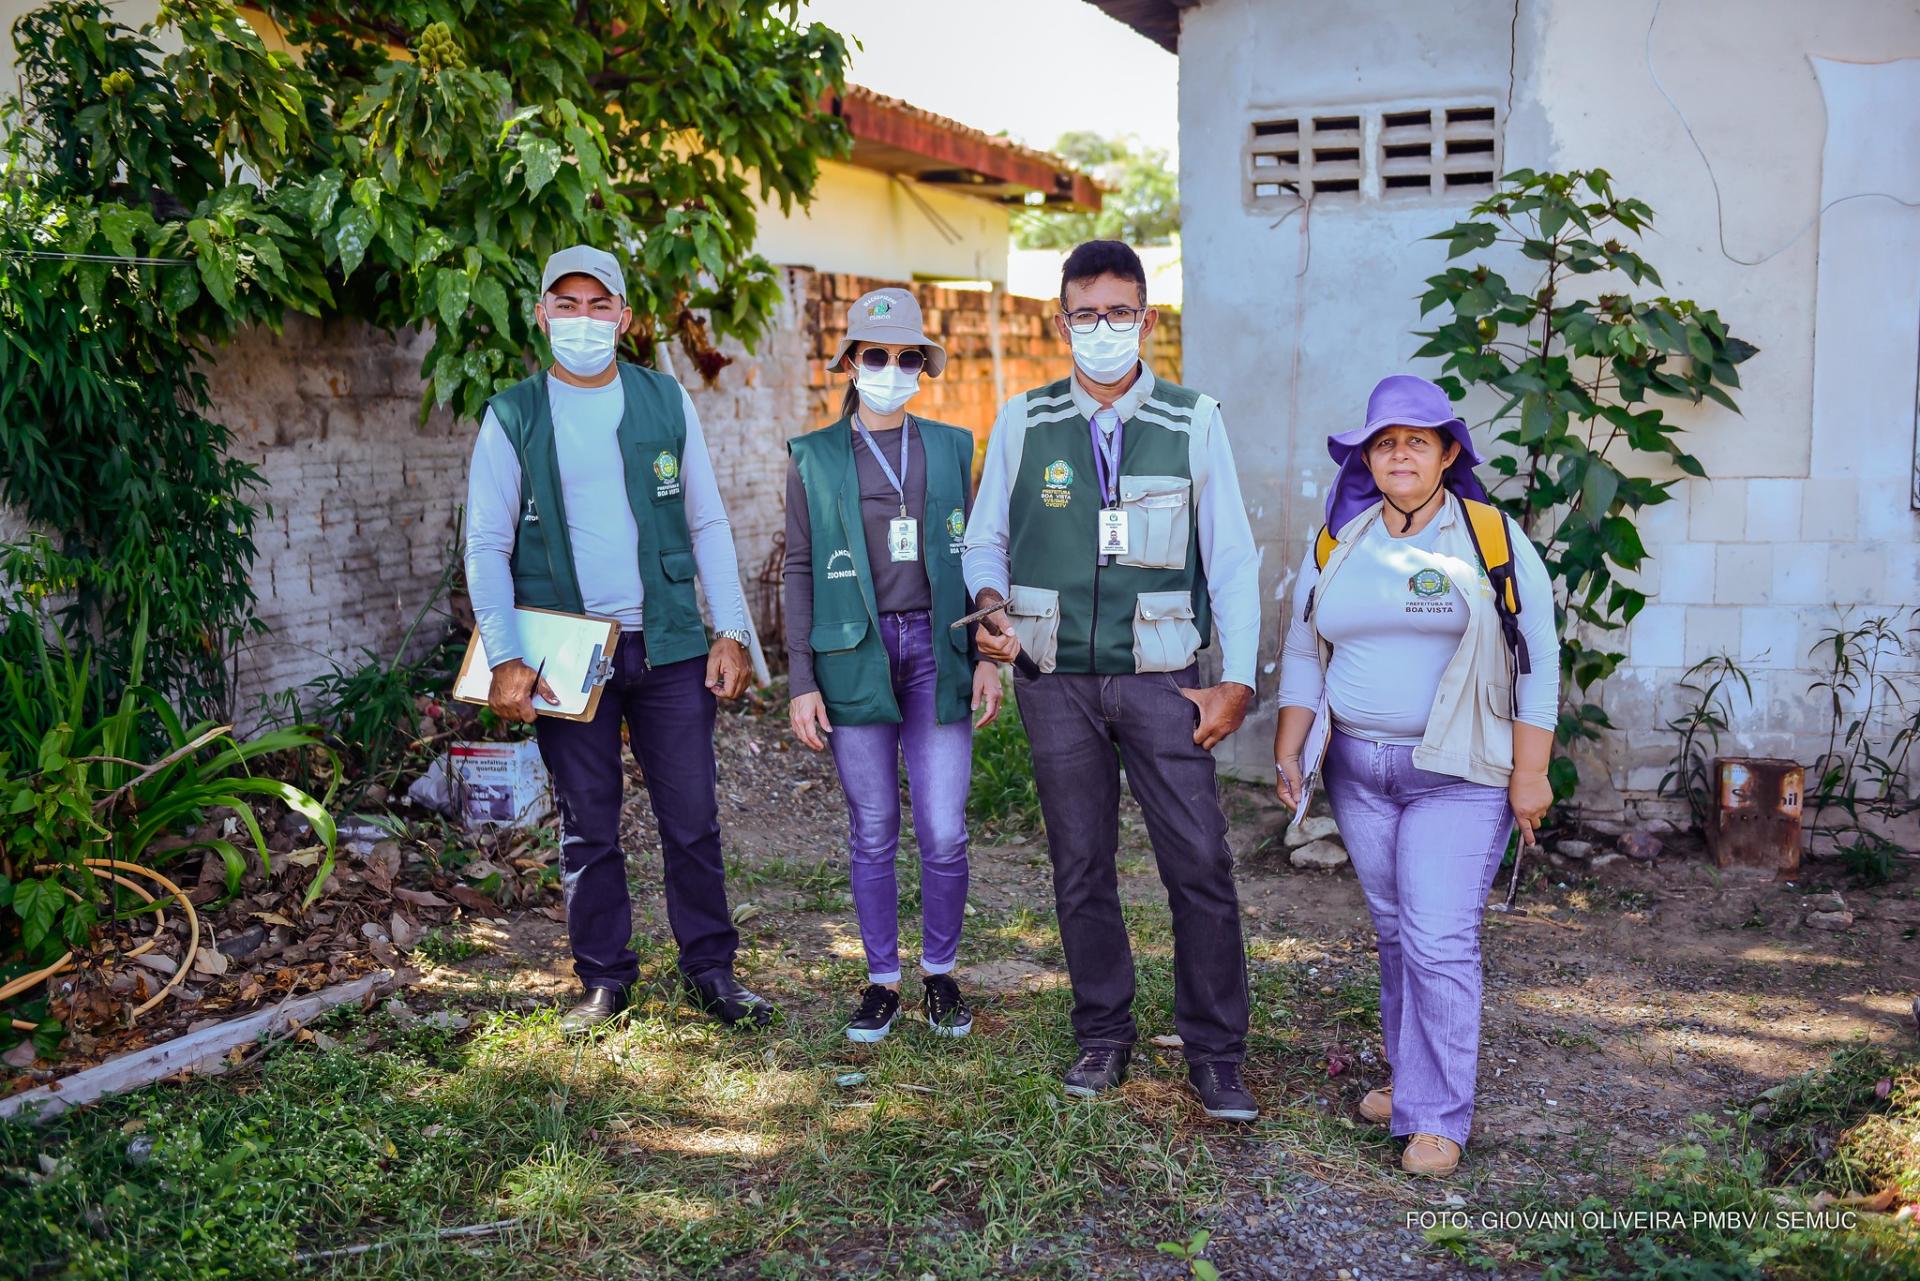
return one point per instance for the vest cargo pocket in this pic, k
(1035, 612)
(1156, 508)
(677, 565)
(1500, 700)
(832, 638)
(1164, 637)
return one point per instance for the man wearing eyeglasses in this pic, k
(1110, 525)
(592, 493)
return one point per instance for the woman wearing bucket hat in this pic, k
(877, 507)
(1429, 697)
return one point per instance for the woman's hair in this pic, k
(851, 400)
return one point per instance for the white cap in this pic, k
(585, 260)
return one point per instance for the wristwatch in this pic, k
(738, 635)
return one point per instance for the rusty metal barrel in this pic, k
(1756, 814)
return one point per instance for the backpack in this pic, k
(1492, 537)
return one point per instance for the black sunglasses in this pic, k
(911, 361)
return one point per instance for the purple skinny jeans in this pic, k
(939, 771)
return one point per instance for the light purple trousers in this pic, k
(939, 769)
(1426, 847)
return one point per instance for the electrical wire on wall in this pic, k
(1719, 201)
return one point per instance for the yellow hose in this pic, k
(95, 866)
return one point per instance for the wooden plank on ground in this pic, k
(203, 1051)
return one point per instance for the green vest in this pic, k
(849, 658)
(1053, 522)
(653, 437)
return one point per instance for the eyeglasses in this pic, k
(911, 361)
(1119, 319)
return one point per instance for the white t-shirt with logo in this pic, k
(1395, 618)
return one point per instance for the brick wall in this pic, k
(967, 393)
(363, 498)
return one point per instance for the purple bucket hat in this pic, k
(1399, 400)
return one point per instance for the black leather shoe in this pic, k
(1221, 1093)
(601, 1004)
(721, 995)
(1097, 1070)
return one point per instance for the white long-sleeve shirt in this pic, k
(600, 520)
(1394, 619)
(1226, 537)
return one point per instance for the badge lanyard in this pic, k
(1113, 519)
(903, 532)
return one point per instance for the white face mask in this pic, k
(887, 390)
(1103, 355)
(583, 346)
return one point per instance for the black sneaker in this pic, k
(1098, 1069)
(947, 1012)
(874, 1019)
(1220, 1091)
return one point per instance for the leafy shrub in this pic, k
(79, 794)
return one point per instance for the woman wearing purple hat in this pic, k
(1431, 709)
(877, 507)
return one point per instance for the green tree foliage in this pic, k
(415, 165)
(1575, 359)
(1140, 201)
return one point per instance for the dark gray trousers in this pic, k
(1074, 723)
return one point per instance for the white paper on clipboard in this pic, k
(1312, 756)
(572, 647)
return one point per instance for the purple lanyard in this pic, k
(1107, 465)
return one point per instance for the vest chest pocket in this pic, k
(1164, 637)
(1035, 612)
(1157, 522)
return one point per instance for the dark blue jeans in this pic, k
(669, 713)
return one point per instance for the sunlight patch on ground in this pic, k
(686, 1141)
(1773, 954)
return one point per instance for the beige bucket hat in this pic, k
(887, 315)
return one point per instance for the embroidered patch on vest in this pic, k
(666, 469)
(1058, 483)
(956, 524)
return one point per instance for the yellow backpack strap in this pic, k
(1491, 539)
(1323, 547)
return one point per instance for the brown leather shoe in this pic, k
(1377, 1107)
(1430, 1154)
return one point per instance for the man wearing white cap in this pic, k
(592, 493)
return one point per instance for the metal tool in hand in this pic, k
(1023, 661)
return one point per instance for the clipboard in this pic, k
(1313, 755)
(576, 648)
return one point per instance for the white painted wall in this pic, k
(865, 223)
(1752, 560)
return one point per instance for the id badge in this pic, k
(1113, 531)
(903, 538)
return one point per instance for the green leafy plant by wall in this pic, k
(1578, 363)
(1862, 783)
(415, 165)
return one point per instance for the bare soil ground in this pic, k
(1621, 1000)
